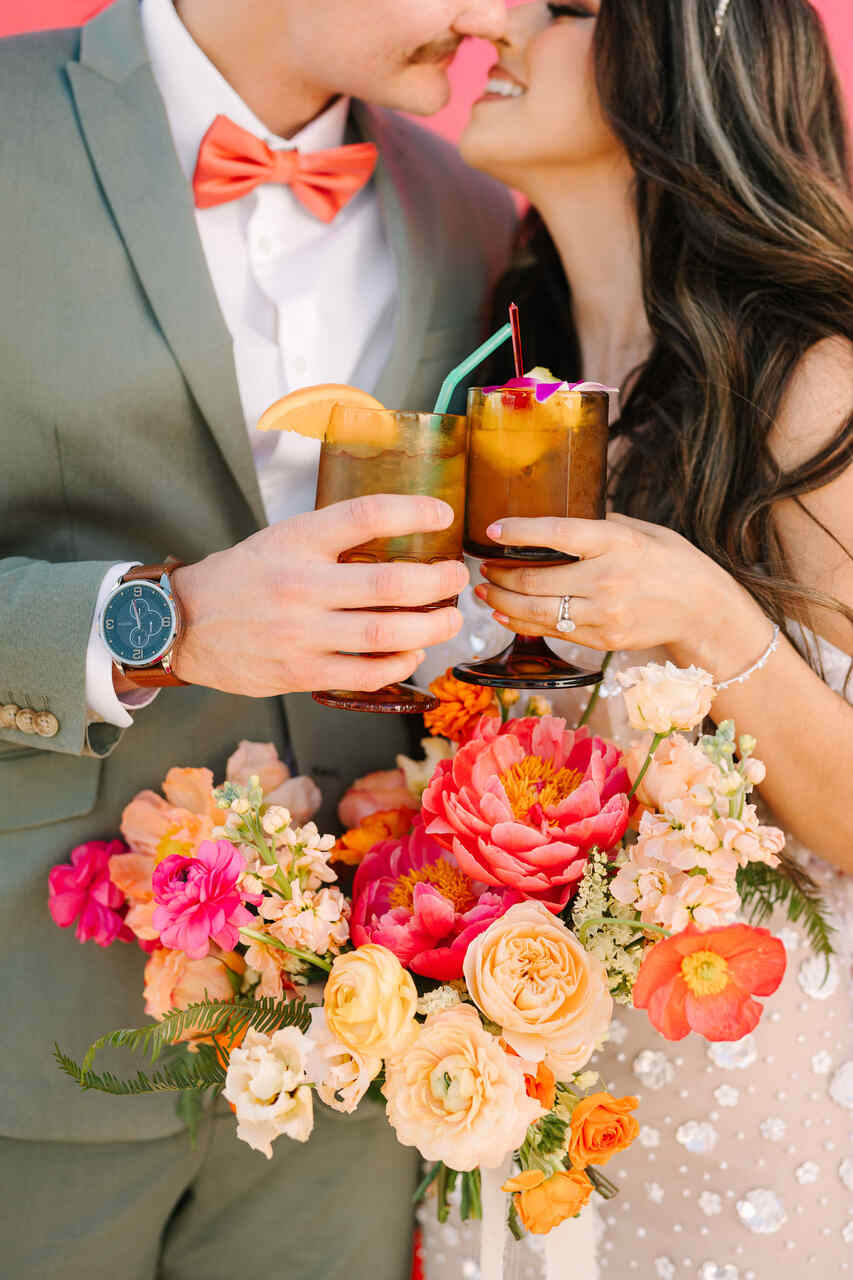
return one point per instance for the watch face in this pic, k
(138, 623)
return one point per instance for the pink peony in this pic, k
(84, 889)
(374, 793)
(410, 896)
(522, 804)
(199, 899)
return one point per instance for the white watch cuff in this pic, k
(102, 701)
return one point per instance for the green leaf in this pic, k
(190, 1109)
(426, 1182)
(762, 889)
(229, 1019)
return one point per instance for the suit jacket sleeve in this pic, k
(45, 617)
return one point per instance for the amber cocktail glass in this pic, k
(532, 458)
(384, 451)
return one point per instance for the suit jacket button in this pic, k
(46, 724)
(7, 715)
(25, 720)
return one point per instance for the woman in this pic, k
(692, 244)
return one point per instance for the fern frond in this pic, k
(227, 1019)
(762, 889)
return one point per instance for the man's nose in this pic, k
(485, 19)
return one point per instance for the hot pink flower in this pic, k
(83, 889)
(199, 899)
(374, 793)
(523, 803)
(410, 896)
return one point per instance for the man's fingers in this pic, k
(369, 674)
(398, 583)
(571, 535)
(392, 632)
(343, 525)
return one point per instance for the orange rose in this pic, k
(543, 1203)
(601, 1126)
(459, 707)
(387, 824)
(542, 1086)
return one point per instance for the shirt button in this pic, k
(7, 715)
(46, 724)
(25, 720)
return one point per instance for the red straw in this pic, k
(516, 340)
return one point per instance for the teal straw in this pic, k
(451, 382)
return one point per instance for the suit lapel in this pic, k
(403, 204)
(124, 124)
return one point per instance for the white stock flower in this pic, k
(267, 1085)
(341, 1075)
(662, 698)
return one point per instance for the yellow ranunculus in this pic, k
(370, 1002)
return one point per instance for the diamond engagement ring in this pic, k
(564, 621)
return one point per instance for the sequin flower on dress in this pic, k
(471, 935)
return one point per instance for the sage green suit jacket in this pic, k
(123, 437)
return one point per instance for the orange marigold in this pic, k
(385, 824)
(459, 707)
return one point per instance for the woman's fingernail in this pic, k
(480, 592)
(494, 531)
(501, 618)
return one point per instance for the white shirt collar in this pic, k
(194, 92)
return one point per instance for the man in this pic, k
(144, 331)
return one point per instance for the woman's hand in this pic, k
(634, 586)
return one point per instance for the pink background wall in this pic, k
(467, 72)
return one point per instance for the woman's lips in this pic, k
(502, 84)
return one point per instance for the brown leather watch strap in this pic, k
(160, 674)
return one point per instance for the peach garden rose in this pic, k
(456, 1095)
(530, 975)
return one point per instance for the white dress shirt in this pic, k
(304, 301)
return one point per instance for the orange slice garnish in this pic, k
(308, 410)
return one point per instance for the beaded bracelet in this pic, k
(756, 666)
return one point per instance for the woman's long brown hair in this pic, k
(743, 194)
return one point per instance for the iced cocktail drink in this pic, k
(528, 457)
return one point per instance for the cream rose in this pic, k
(370, 1002)
(268, 1088)
(342, 1076)
(528, 973)
(662, 698)
(456, 1095)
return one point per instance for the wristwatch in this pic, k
(141, 621)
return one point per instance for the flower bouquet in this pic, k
(458, 951)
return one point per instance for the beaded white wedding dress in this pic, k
(743, 1169)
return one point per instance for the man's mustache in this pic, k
(436, 50)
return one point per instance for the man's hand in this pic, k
(278, 614)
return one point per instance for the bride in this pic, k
(691, 242)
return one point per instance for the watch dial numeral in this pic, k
(109, 624)
(138, 655)
(137, 591)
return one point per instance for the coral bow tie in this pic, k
(232, 162)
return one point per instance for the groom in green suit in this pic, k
(142, 335)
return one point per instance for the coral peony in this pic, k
(83, 891)
(662, 698)
(370, 1002)
(173, 981)
(256, 760)
(371, 831)
(601, 1126)
(267, 1086)
(456, 1095)
(199, 900)
(544, 1202)
(522, 804)
(705, 980)
(460, 707)
(410, 896)
(374, 793)
(192, 789)
(152, 826)
(530, 975)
